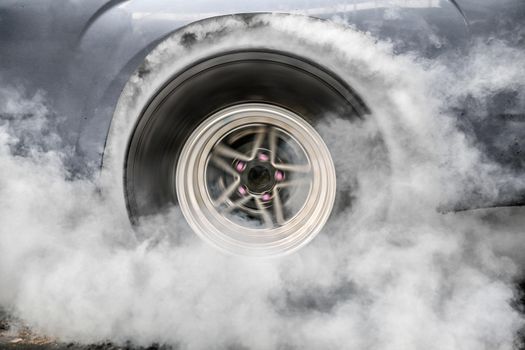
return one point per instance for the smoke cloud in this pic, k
(392, 273)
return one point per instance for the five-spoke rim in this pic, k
(255, 179)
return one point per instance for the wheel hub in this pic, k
(258, 176)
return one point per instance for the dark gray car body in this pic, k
(82, 53)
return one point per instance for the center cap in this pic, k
(259, 177)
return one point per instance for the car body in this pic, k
(82, 54)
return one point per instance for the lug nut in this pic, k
(279, 175)
(263, 157)
(240, 166)
(266, 197)
(242, 190)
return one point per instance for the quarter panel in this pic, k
(113, 47)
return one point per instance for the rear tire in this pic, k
(162, 148)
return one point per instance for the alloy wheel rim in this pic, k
(256, 180)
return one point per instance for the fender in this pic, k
(117, 38)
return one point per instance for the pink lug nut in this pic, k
(266, 197)
(263, 157)
(240, 166)
(279, 175)
(242, 190)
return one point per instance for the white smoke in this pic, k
(72, 268)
